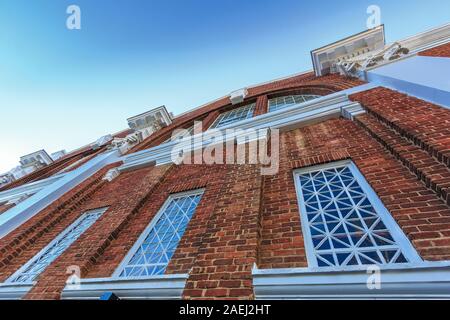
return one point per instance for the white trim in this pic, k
(251, 108)
(429, 280)
(394, 229)
(428, 39)
(156, 287)
(321, 55)
(14, 291)
(150, 226)
(248, 87)
(326, 107)
(27, 189)
(25, 210)
(162, 111)
(53, 242)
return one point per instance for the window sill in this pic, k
(427, 280)
(156, 287)
(14, 291)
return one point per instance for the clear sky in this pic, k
(61, 89)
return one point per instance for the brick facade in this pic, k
(442, 51)
(401, 146)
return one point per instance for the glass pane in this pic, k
(234, 115)
(154, 253)
(287, 101)
(344, 226)
(43, 259)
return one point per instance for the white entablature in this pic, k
(368, 50)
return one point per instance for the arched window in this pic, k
(287, 101)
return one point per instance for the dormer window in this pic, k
(287, 101)
(36, 159)
(234, 115)
(151, 121)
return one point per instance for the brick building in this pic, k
(359, 188)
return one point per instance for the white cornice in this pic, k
(17, 215)
(27, 189)
(427, 39)
(286, 119)
(367, 50)
(156, 287)
(248, 87)
(428, 280)
(160, 112)
(325, 58)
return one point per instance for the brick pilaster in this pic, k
(229, 247)
(262, 105)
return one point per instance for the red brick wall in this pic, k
(304, 83)
(28, 239)
(5, 207)
(420, 212)
(441, 51)
(180, 179)
(423, 123)
(124, 196)
(401, 146)
(229, 246)
(55, 167)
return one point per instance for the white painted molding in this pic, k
(156, 287)
(427, 280)
(295, 116)
(17, 215)
(14, 291)
(238, 96)
(111, 174)
(427, 39)
(351, 111)
(368, 50)
(325, 58)
(27, 189)
(150, 118)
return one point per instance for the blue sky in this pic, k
(61, 89)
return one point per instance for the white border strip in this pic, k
(17, 215)
(327, 107)
(156, 287)
(430, 280)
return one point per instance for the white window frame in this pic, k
(314, 96)
(396, 232)
(216, 123)
(149, 228)
(100, 211)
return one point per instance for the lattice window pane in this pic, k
(42, 260)
(342, 225)
(234, 115)
(152, 253)
(287, 101)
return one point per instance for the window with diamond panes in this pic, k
(153, 251)
(234, 115)
(345, 222)
(42, 260)
(287, 101)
